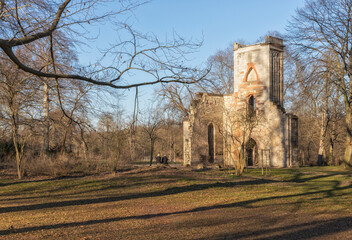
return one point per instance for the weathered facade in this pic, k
(253, 118)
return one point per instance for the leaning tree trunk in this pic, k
(15, 139)
(243, 156)
(18, 155)
(348, 150)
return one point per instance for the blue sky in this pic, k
(218, 22)
(221, 22)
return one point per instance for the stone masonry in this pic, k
(214, 130)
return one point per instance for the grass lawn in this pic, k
(179, 203)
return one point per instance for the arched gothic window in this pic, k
(211, 142)
(251, 106)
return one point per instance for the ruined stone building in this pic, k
(218, 127)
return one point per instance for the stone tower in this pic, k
(212, 132)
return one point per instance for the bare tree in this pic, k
(28, 21)
(316, 90)
(58, 60)
(106, 126)
(321, 32)
(176, 97)
(151, 125)
(220, 77)
(219, 81)
(239, 128)
(113, 137)
(18, 103)
(56, 94)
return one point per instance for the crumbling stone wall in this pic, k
(206, 111)
(258, 73)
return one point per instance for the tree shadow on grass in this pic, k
(306, 230)
(16, 182)
(299, 177)
(56, 187)
(48, 186)
(77, 193)
(168, 191)
(118, 182)
(315, 229)
(76, 175)
(291, 235)
(64, 183)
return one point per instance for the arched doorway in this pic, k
(211, 143)
(251, 152)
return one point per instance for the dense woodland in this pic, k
(51, 117)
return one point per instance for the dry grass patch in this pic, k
(178, 203)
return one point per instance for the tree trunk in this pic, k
(173, 149)
(348, 150)
(243, 156)
(331, 147)
(46, 132)
(308, 152)
(331, 153)
(170, 147)
(19, 166)
(321, 141)
(18, 155)
(132, 143)
(151, 151)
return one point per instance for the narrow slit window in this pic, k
(251, 106)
